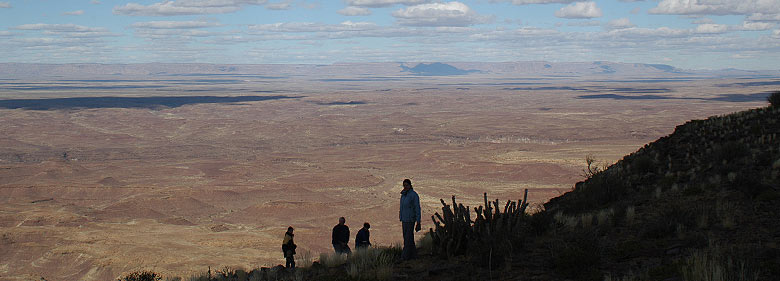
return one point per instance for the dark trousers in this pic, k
(410, 250)
(342, 249)
(290, 261)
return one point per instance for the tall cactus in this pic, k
(455, 233)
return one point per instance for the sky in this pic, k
(690, 34)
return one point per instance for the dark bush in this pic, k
(664, 223)
(577, 256)
(643, 164)
(540, 222)
(142, 276)
(774, 99)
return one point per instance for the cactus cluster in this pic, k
(491, 232)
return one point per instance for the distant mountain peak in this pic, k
(436, 69)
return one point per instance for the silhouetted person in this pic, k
(288, 248)
(409, 213)
(341, 237)
(362, 239)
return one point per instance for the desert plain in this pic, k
(103, 175)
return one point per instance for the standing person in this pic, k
(288, 248)
(362, 239)
(340, 237)
(409, 213)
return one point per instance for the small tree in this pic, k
(774, 99)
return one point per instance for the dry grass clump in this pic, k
(372, 263)
(713, 264)
(630, 214)
(332, 259)
(304, 259)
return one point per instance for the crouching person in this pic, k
(362, 239)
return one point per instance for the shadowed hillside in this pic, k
(699, 204)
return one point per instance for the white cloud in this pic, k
(383, 3)
(631, 0)
(175, 24)
(96, 2)
(5, 33)
(620, 23)
(711, 28)
(74, 13)
(68, 30)
(5, 5)
(776, 33)
(741, 56)
(716, 7)
(703, 21)
(439, 14)
(185, 7)
(314, 27)
(66, 27)
(756, 26)
(579, 10)
(354, 11)
(528, 2)
(764, 17)
(284, 5)
(636, 10)
(584, 23)
(648, 34)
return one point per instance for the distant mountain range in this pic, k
(526, 68)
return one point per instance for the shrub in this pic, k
(668, 221)
(332, 259)
(774, 99)
(142, 276)
(303, 259)
(630, 215)
(426, 242)
(712, 264)
(372, 263)
(577, 256)
(592, 168)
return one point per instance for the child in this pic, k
(288, 248)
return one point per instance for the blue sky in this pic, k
(693, 34)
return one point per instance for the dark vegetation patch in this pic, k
(491, 84)
(564, 88)
(641, 90)
(366, 79)
(650, 80)
(724, 98)
(127, 102)
(224, 75)
(626, 97)
(207, 81)
(77, 87)
(340, 102)
(752, 84)
(741, 97)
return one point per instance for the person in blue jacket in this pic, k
(362, 239)
(409, 214)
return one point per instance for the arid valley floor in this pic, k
(103, 176)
